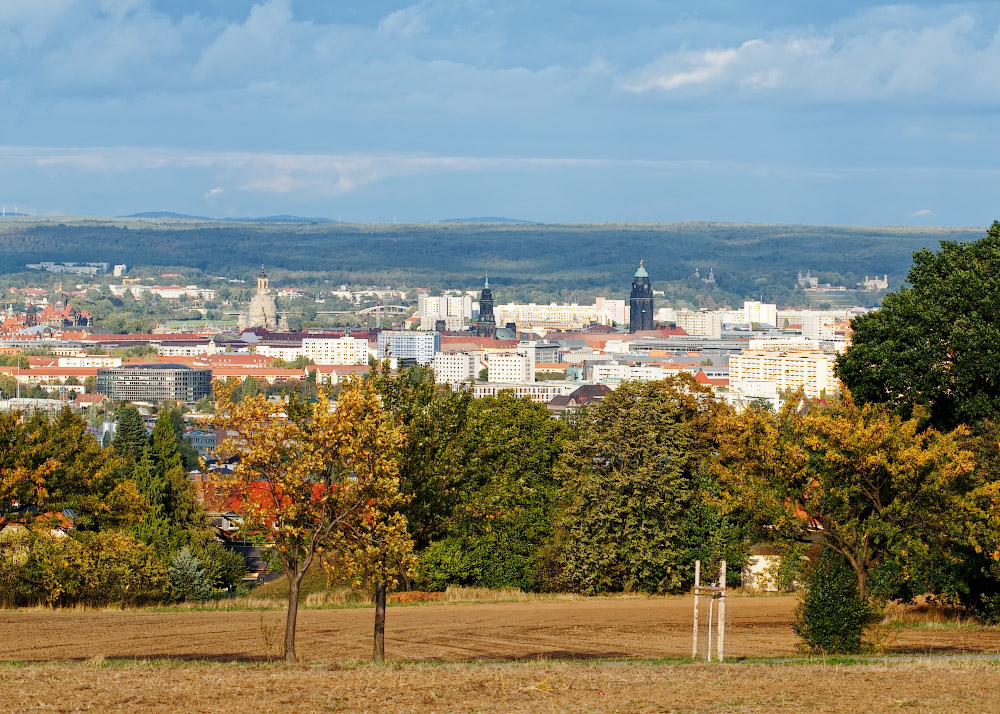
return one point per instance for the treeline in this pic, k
(529, 261)
(84, 524)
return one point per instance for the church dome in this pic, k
(641, 271)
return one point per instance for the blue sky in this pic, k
(562, 110)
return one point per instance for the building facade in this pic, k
(154, 383)
(455, 369)
(408, 347)
(454, 311)
(335, 350)
(810, 370)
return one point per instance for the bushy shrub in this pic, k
(224, 569)
(108, 568)
(480, 562)
(832, 616)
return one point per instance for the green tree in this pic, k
(180, 502)
(832, 616)
(933, 344)
(131, 439)
(630, 481)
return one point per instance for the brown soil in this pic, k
(581, 629)
(517, 688)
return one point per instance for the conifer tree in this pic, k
(130, 436)
(187, 577)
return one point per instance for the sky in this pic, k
(780, 111)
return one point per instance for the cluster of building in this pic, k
(546, 353)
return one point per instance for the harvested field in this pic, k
(517, 688)
(575, 629)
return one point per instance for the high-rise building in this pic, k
(487, 326)
(641, 301)
(408, 347)
(154, 382)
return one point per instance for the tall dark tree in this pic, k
(131, 438)
(180, 505)
(935, 343)
(630, 484)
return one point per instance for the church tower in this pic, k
(641, 302)
(487, 326)
(263, 311)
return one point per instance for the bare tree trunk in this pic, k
(379, 653)
(293, 610)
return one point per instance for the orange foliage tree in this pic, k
(305, 471)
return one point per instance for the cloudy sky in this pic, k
(554, 110)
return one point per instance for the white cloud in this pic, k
(946, 59)
(922, 212)
(407, 22)
(212, 193)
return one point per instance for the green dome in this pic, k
(641, 272)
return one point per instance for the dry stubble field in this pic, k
(432, 647)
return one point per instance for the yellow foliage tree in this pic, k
(305, 470)
(860, 480)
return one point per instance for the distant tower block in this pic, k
(641, 301)
(487, 326)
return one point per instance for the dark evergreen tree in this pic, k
(130, 436)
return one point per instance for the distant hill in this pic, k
(284, 218)
(169, 215)
(488, 219)
(526, 262)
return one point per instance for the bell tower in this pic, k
(641, 301)
(487, 326)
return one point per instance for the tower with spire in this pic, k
(641, 301)
(487, 326)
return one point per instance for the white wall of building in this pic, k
(455, 368)
(336, 350)
(702, 323)
(810, 369)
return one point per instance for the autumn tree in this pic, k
(887, 495)
(303, 470)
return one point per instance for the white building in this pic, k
(812, 370)
(85, 360)
(553, 317)
(701, 323)
(816, 324)
(335, 350)
(455, 369)
(746, 393)
(762, 313)
(614, 374)
(510, 365)
(541, 392)
(282, 350)
(418, 347)
(454, 310)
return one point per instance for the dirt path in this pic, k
(646, 628)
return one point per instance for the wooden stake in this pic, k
(694, 634)
(721, 637)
